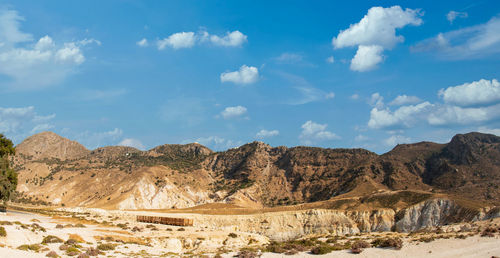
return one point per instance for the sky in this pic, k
(362, 74)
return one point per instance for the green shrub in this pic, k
(52, 254)
(51, 239)
(106, 247)
(3, 233)
(395, 243)
(322, 249)
(233, 235)
(33, 247)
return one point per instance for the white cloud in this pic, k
(468, 43)
(367, 58)
(142, 43)
(265, 133)
(449, 115)
(246, 75)
(131, 142)
(30, 66)
(18, 123)
(233, 112)
(477, 93)
(188, 39)
(404, 116)
(177, 41)
(452, 15)
(396, 139)
(9, 28)
(313, 132)
(494, 131)
(438, 114)
(378, 27)
(330, 60)
(330, 95)
(376, 100)
(231, 39)
(354, 96)
(405, 100)
(374, 33)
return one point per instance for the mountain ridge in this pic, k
(255, 174)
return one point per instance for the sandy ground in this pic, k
(168, 241)
(484, 247)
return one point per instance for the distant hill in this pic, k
(56, 170)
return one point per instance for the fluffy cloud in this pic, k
(142, 43)
(233, 112)
(18, 123)
(452, 15)
(477, 93)
(449, 115)
(476, 103)
(405, 116)
(189, 39)
(246, 75)
(468, 43)
(405, 100)
(131, 142)
(378, 27)
(313, 132)
(374, 33)
(396, 139)
(265, 134)
(367, 58)
(330, 60)
(177, 40)
(35, 65)
(231, 39)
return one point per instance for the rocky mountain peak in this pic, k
(466, 148)
(50, 145)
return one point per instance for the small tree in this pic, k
(8, 177)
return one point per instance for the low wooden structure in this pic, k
(166, 221)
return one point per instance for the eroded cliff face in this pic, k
(439, 212)
(288, 225)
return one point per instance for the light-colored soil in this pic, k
(168, 241)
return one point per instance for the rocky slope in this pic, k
(56, 170)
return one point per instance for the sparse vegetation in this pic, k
(247, 254)
(106, 247)
(51, 239)
(322, 249)
(358, 246)
(3, 232)
(395, 243)
(33, 247)
(52, 254)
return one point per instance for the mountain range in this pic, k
(55, 170)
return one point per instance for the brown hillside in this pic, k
(253, 175)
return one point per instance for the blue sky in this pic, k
(366, 74)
